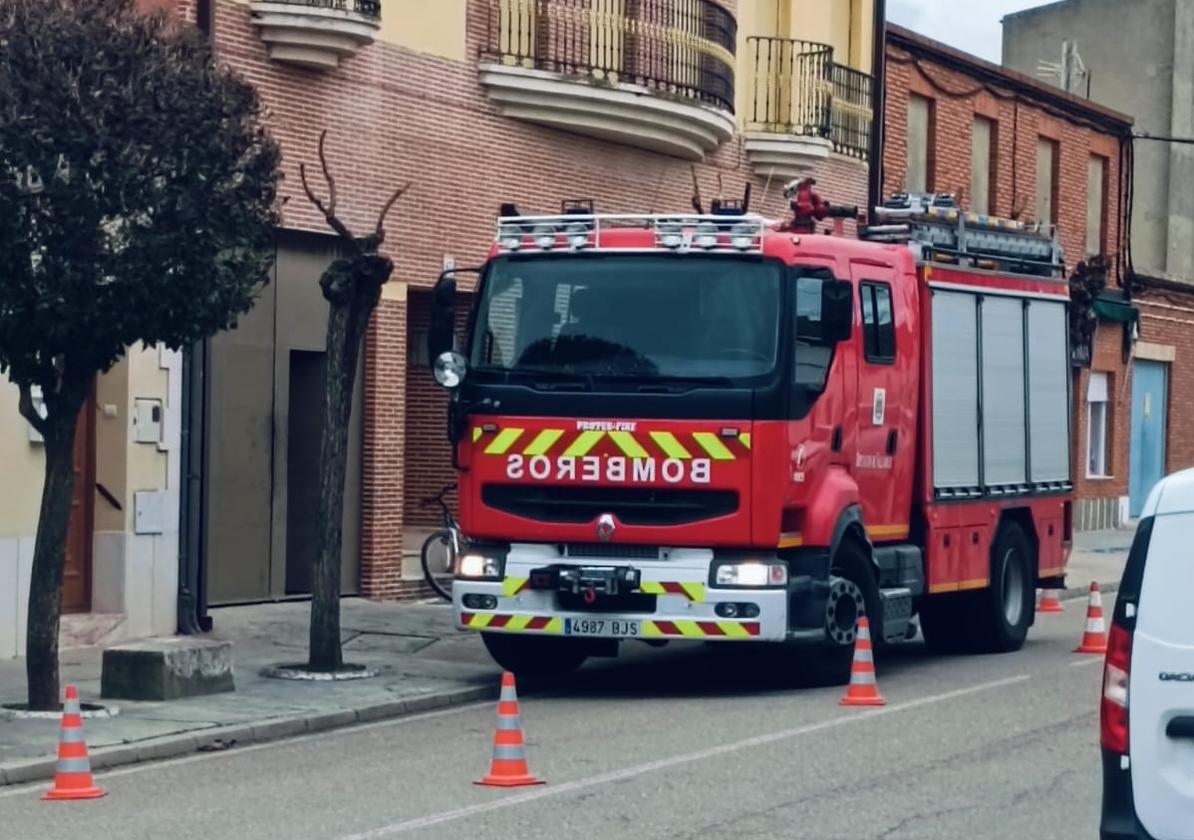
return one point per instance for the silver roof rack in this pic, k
(672, 232)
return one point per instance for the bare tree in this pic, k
(352, 287)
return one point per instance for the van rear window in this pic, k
(1133, 577)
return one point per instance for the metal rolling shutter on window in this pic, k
(1048, 397)
(1003, 392)
(955, 391)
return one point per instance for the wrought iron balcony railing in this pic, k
(680, 48)
(797, 88)
(365, 8)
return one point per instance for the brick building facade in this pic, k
(1144, 324)
(397, 112)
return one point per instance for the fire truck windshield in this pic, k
(641, 316)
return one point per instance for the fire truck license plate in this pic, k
(600, 627)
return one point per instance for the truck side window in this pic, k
(813, 353)
(878, 326)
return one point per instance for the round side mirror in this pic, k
(450, 369)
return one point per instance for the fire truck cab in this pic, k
(720, 428)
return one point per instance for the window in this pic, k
(813, 353)
(878, 327)
(1096, 426)
(920, 144)
(983, 142)
(1046, 181)
(1096, 208)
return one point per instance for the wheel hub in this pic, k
(842, 610)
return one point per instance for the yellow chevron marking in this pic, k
(504, 440)
(556, 625)
(696, 592)
(650, 629)
(543, 441)
(476, 433)
(511, 585)
(744, 439)
(630, 447)
(581, 446)
(711, 444)
(668, 443)
(480, 620)
(688, 628)
(733, 629)
(518, 622)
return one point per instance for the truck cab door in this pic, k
(884, 452)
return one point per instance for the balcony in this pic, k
(654, 74)
(316, 34)
(802, 106)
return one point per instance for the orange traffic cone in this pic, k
(1049, 603)
(509, 767)
(862, 690)
(72, 779)
(1094, 640)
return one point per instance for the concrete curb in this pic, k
(220, 738)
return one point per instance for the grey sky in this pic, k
(970, 25)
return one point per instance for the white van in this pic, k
(1147, 713)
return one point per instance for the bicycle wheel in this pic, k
(438, 563)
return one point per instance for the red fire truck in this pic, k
(714, 427)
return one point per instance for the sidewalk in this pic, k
(425, 663)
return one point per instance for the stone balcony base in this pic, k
(622, 113)
(782, 157)
(311, 36)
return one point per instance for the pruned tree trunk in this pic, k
(49, 557)
(352, 286)
(346, 329)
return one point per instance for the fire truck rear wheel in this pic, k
(1005, 608)
(535, 657)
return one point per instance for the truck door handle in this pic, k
(1180, 727)
(836, 443)
(892, 438)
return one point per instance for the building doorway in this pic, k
(1146, 463)
(76, 576)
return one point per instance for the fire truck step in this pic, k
(897, 613)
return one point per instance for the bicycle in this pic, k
(442, 547)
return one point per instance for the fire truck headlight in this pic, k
(510, 239)
(545, 237)
(578, 235)
(706, 235)
(742, 237)
(752, 574)
(479, 566)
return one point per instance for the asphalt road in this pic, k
(662, 744)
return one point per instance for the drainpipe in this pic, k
(878, 85)
(192, 508)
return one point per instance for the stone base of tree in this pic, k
(20, 711)
(300, 671)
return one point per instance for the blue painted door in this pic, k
(1146, 464)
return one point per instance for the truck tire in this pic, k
(829, 663)
(533, 656)
(1004, 610)
(991, 620)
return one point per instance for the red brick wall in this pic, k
(1019, 123)
(394, 115)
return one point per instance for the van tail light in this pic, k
(1113, 711)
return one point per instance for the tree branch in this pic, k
(328, 210)
(29, 411)
(385, 211)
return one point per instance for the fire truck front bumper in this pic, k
(669, 597)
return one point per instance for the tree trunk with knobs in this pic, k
(353, 289)
(49, 556)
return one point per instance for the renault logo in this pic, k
(606, 527)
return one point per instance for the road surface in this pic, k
(661, 744)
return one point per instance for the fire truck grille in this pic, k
(631, 506)
(608, 551)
